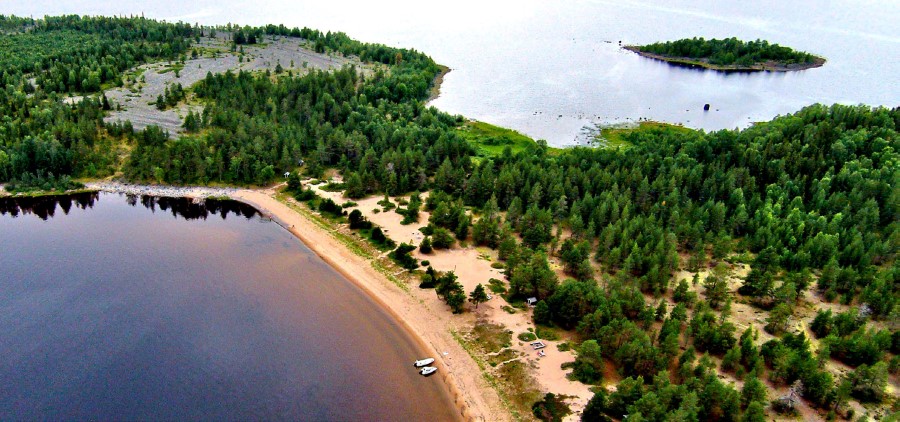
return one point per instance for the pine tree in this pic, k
(478, 295)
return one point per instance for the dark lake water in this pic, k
(150, 308)
(551, 68)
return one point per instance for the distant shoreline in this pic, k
(704, 64)
(436, 84)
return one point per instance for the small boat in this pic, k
(423, 362)
(428, 370)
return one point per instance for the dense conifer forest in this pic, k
(809, 200)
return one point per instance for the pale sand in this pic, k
(473, 266)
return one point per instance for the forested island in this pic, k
(729, 54)
(808, 201)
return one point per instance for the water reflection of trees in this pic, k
(190, 209)
(44, 207)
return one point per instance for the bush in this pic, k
(402, 257)
(588, 367)
(357, 221)
(442, 239)
(333, 187)
(425, 246)
(305, 195)
(783, 407)
(380, 239)
(542, 313)
(327, 206)
(551, 408)
(387, 204)
(497, 286)
(546, 333)
(429, 279)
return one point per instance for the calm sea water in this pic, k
(550, 69)
(116, 308)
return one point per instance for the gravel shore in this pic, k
(162, 190)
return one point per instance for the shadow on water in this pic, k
(190, 209)
(45, 207)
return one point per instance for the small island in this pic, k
(728, 55)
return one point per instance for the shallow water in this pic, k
(549, 69)
(116, 307)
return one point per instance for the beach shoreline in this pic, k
(436, 84)
(411, 315)
(431, 330)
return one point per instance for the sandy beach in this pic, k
(420, 312)
(432, 328)
(428, 325)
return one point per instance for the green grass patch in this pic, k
(546, 333)
(527, 336)
(490, 378)
(501, 357)
(615, 137)
(489, 140)
(497, 286)
(521, 391)
(511, 379)
(333, 187)
(517, 302)
(176, 67)
(492, 337)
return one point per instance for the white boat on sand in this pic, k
(428, 370)
(423, 362)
